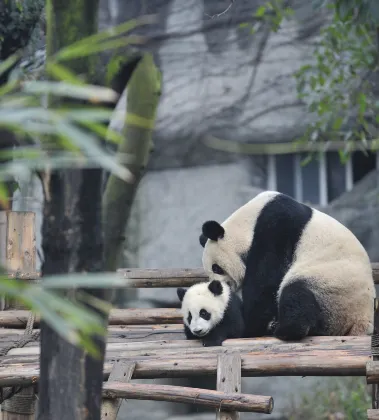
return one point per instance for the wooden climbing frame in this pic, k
(150, 344)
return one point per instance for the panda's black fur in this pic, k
(227, 315)
(300, 271)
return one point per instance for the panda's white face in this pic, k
(226, 245)
(203, 306)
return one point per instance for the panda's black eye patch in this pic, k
(189, 318)
(217, 269)
(205, 314)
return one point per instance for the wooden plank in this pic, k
(372, 414)
(18, 319)
(161, 278)
(3, 248)
(122, 372)
(178, 348)
(158, 278)
(229, 381)
(375, 353)
(323, 363)
(216, 399)
(20, 258)
(372, 372)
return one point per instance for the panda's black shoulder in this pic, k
(234, 308)
(283, 215)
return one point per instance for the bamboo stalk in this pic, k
(179, 394)
(324, 363)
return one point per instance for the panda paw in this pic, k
(271, 328)
(212, 343)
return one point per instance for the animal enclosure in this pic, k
(150, 343)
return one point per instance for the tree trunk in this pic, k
(71, 381)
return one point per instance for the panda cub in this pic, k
(211, 312)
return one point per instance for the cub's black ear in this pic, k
(180, 292)
(213, 230)
(202, 240)
(215, 287)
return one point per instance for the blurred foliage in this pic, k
(270, 13)
(338, 87)
(339, 399)
(61, 136)
(18, 19)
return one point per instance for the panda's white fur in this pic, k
(199, 297)
(211, 311)
(328, 265)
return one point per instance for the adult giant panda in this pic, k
(296, 266)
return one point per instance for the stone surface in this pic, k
(218, 78)
(358, 210)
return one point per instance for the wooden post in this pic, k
(21, 258)
(228, 380)
(122, 371)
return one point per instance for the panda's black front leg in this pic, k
(258, 312)
(188, 334)
(215, 338)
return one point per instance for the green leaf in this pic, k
(10, 62)
(91, 93)
(260, 11)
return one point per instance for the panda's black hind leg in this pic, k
(298, 312)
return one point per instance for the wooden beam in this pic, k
(179, 394)
(375, 353)
(18, 319)
(122, 372)
(20, 258)
(229, 381)
(372, 372)
(158, 278)
(181, 348)
(372, 414)
(296, 363)
(161, 278)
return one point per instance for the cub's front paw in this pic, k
(212, 342)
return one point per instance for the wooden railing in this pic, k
(150, 343)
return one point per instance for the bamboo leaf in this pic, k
(92, 93)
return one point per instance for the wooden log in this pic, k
(325, 363)
(372, 372)
(160, 278)
(20, 258)
(179, 394)
(178, 348)
(372, 414)
(122, 372)
(375, 354)
(229, 381)
(18, 319)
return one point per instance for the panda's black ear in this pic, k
(213, 230)
(202, 240)
(181, 292)
(215, 287)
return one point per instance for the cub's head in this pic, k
(225, 249)
(204, 305)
